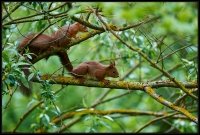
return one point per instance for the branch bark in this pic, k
(126, 85)
(163, 101)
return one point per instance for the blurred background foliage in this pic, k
(178, 23)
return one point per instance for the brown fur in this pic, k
(43, 43)
(95, 70)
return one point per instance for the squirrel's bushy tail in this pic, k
(65, 60)
(25, 90)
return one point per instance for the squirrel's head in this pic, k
(112, 71)
(82, 28)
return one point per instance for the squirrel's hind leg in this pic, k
(80, 71)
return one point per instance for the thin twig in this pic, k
(71, 123)
(21, 20)
(177, 101)
(112, 98)
(170, 70)
(173, 53)
(11, 95)
(9, 13)
(155, 120)
(29, 111)
(130, 71)
(25, 115)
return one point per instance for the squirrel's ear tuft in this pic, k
(112, 63)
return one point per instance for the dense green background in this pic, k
(178, 22)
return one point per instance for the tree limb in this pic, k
(110, 112)
(126, 85)
(163, 101)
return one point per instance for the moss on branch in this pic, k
(126, 85)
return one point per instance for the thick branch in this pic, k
(74, 42)
(113, 84)
(163, 101)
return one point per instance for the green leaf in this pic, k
(6, 58)
(84, 103)
(105, 124)
(108, 117)
(187, 61)
(30, 76)
(20, 63)
(11, 80)
(82, 109)
(57, 110)
(29, 56)
(47, 118)
(31, 102)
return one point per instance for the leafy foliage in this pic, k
(171, 42)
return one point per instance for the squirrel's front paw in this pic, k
(106, 82)
(81, 80)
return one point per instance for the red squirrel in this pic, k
(64, 34)
(95, 70)
(38, 45)
(43, 42)
(60, 38)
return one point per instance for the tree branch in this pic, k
(161, 59)
(71, 123)
(156, 119)
(73, 42)
(180, 98)
(9, 13)
(153, 64)
(163, 101)
(25, 115)
(25, 19)
(126, 85)
(110, 112)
